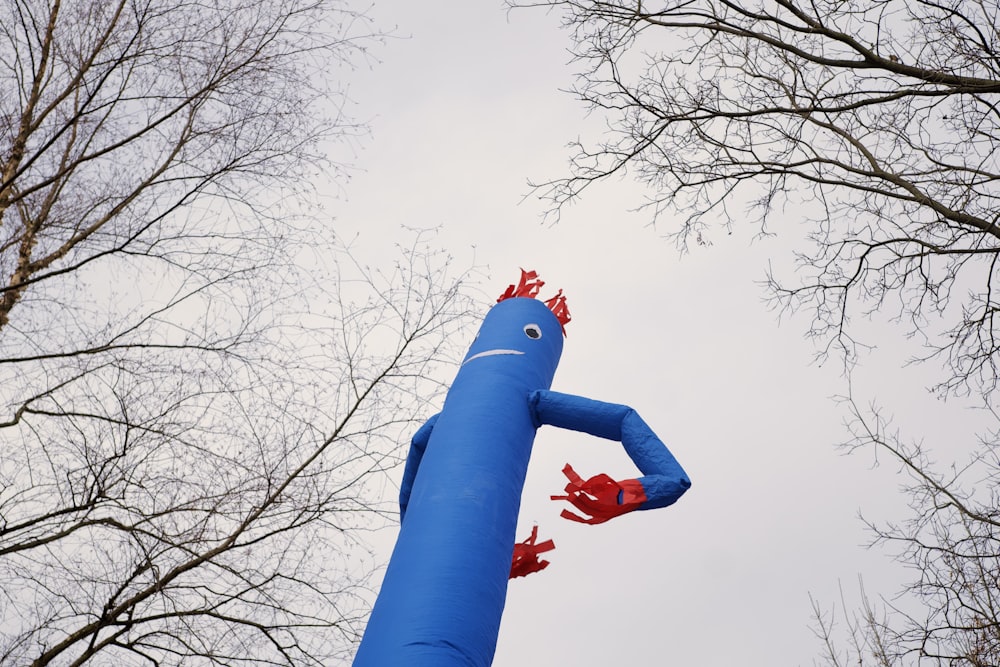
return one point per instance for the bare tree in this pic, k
(878, 118)
(878, 122)
(950, 614)
(198, 386)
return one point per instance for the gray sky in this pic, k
(464, 110)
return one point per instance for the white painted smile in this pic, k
(490, 353)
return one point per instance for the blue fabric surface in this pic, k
(663, 480)
(445, 586)
(444, 590)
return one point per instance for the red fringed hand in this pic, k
(525, 559)
(600, 496)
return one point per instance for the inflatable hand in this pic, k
(525, 559)
(600, 496)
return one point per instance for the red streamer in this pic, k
(525, 559)
(601, 497)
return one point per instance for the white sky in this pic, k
(463, 111)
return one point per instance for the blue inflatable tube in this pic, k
(444, 589)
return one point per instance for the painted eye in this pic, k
(532, 331)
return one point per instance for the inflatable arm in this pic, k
(417, 446)
(601, 497)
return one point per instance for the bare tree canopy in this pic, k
(876, 119)
(198, 384)
(116, 115)
(877, 124)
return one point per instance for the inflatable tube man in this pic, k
(443, 594)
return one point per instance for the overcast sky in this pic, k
(464, 108)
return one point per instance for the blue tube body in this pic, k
(444, 590)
